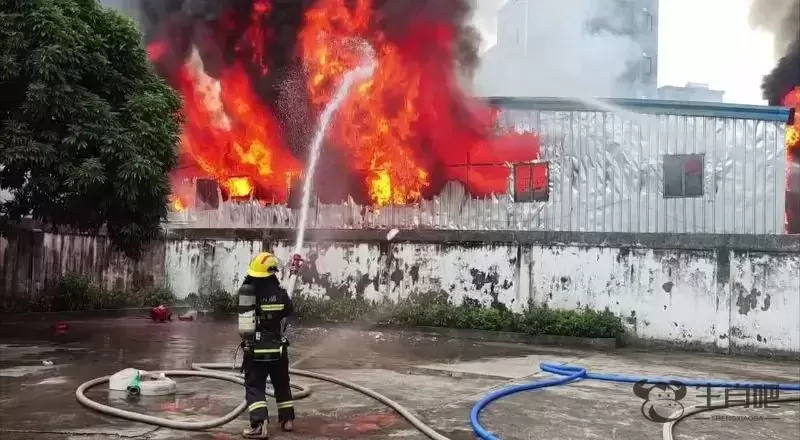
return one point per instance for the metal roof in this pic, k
(652, 106)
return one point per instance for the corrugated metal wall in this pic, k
(31, 260)
(606, 175)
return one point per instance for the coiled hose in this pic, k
(568, 373)
(207, 370)
(572, 373)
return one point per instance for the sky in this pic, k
(706, 41)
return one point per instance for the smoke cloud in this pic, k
(782, 18)
(423, 44)
(565, 40)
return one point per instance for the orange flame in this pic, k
(376, 123)
(792, 100)
(228, 132)
(410, 114)
(406, 126)
(177, 205)
(239, 187)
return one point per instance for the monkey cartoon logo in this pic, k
(661, 401)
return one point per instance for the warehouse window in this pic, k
(683, 175)
(648, 64)
(648, 19)
(207, 194)
(532, 182)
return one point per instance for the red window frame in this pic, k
(532, 182)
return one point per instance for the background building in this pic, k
(598, 48)
(690, 92)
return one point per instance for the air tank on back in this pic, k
(247, 311)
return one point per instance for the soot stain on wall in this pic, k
(414, 274)
(747, 301)
(353, 285)
(481, 279)
(397, 276)
(310, 275)
(723, 266)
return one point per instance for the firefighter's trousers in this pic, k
(255, 382)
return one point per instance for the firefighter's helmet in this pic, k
(263, 265)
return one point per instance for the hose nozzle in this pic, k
(296, 264)
(134, 390)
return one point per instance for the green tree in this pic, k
(88, 130)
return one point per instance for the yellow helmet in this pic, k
(263, 265)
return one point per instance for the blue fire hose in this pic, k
(573, 373)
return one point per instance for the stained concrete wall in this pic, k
(32, 259)
(728, 293)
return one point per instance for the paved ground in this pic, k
(439, 379)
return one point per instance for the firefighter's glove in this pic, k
(284, 341)
(247, 355)
(247, 347)
(297, 262)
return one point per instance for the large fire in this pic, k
(792, 100)
(405, 132)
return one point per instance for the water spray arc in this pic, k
(359, 74)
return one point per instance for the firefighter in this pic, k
(265, 346)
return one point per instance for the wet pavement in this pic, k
(437, 378)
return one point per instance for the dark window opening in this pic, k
(648, 19)
(683, 175)
(206, 194)
(648, 64)
(532, 182)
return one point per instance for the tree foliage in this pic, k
(88, 130)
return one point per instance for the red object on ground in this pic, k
(61, 327)
(160, 314)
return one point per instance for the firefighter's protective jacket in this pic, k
(273, 304)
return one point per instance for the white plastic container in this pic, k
(150, 384)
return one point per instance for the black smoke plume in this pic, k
(782, 18)
(182, 24)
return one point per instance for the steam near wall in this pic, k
(782, 18)
(576, 48)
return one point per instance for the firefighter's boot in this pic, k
(258, 431)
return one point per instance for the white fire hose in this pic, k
(207, 370)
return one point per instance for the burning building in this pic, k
(409, 148)
(782, 87)
(255, 75)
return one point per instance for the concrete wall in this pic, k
(31, 260)
(730, 293)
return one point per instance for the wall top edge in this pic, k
(652, 106)
(756, 243)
